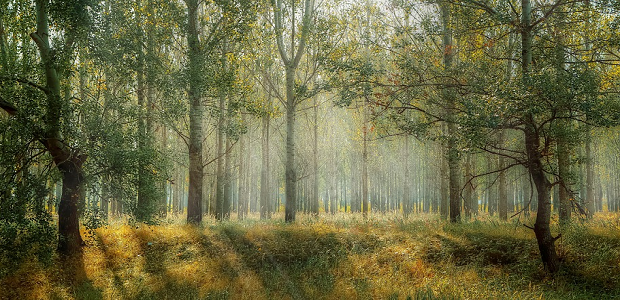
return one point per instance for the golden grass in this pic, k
(334, 257)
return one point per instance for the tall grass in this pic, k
(333, 257)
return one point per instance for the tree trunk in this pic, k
(590, 207)
(448, 95)
(290, 188)
(226, 205)
(315, 162)
(444, 206)
(70, 240)
(194, 202)
(407, 184)
(291, 62)
(469, 188)
(265, 172)
(365, 207)
(564, 177)
(242, 207)
(502, 201)
(546, 243)
(68, 162)
(220, 171)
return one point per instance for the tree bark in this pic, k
(228, 189)
(69, 162)
(365, 206)
(407, 184)
(469, 187)
(242, 205)
(265, 209)
(546, 243)
(290, 175)
(502, 202)
(194, 202)
(590, 207)
(315, 162)
(444, 206)
(291, 62)
(220, 171)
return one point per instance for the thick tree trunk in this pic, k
(194, 202)
(546, 243)
(68, 162)
(290, 176)
(70, 240)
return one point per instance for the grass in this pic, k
(334, 257)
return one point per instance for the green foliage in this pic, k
(26, 229)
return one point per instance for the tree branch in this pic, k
(8, 107)
(25, 82)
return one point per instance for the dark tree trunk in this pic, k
(546, 242)
(290, 188)
(265, 208)
(194, 200)
(70, 240)
(502, 201)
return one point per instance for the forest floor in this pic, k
(334, 257)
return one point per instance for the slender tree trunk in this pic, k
(291, 62)
(242, 207)
(468, 188)
(228, 189)
(265, 172)
(564, 194)
(444, 206)
(448, 95)
(407, 184)
(503, 193)
(502, 201)
(590, 207)
(194, 202)
(315, 162)
(220, 172)
(365, 205)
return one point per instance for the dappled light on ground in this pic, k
(333, 257)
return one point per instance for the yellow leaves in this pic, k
(609, 79)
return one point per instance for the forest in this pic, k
(310, 149)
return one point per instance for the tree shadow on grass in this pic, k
(73, 272)
(297, 263)
(520, 260)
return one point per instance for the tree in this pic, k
(196, 65)
(291, 56)
(67, 159)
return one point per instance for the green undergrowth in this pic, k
(334, 257)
